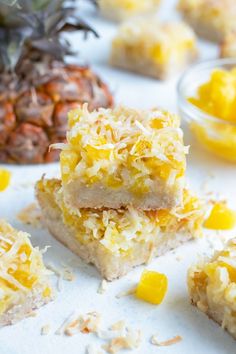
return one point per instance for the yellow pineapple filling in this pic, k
(5, 177)
(217, 97)
(152, 287)
(221, 217)
(120, 230)
(159, 43)
(123, 148)
(21, 267)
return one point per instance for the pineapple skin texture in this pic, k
(32, 120)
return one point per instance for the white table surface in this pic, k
(175, 316)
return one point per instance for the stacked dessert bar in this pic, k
(122, 197)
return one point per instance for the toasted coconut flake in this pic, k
(72, 328)
(91, 349)
(166, 343)
(88, 323)
(131, 340)
(64, 324)
(58, 273)
(31, 215)
(102, 287)
(45, 330)
(131, 291)
(57, 146)
(68, 274)
(65, 274)
(118, 326)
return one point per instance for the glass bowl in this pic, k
(213, 133)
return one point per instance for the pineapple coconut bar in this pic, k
(212, 287)
(24, 284)
(166, 47)
(210, 19)
(119, 10)
(120, 157)
(112, 160)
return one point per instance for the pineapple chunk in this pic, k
(221, 218)
(217, 97)
(5, 177)
(152, 287)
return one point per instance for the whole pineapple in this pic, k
(39, 88)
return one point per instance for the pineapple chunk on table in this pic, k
(5, 177)
(221, 217)
(152, 287)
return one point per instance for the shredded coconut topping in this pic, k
(21, 267)
(127, 226)
(123, 145)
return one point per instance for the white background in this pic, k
(175, 316)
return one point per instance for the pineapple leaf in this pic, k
(10, 48)
(41, 39)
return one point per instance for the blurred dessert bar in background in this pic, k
(146, 46)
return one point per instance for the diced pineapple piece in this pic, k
(95, 153)
(69, 161)
(5, 177)
(217, 97)
(152, 287)
(221, 217)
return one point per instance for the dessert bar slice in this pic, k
(24, 284)
(114, 158)
(115, 241)
(211, 19)
(119, 10)
(212, 287)
(228, 46)
(146, 46)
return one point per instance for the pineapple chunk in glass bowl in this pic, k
(207, 102)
